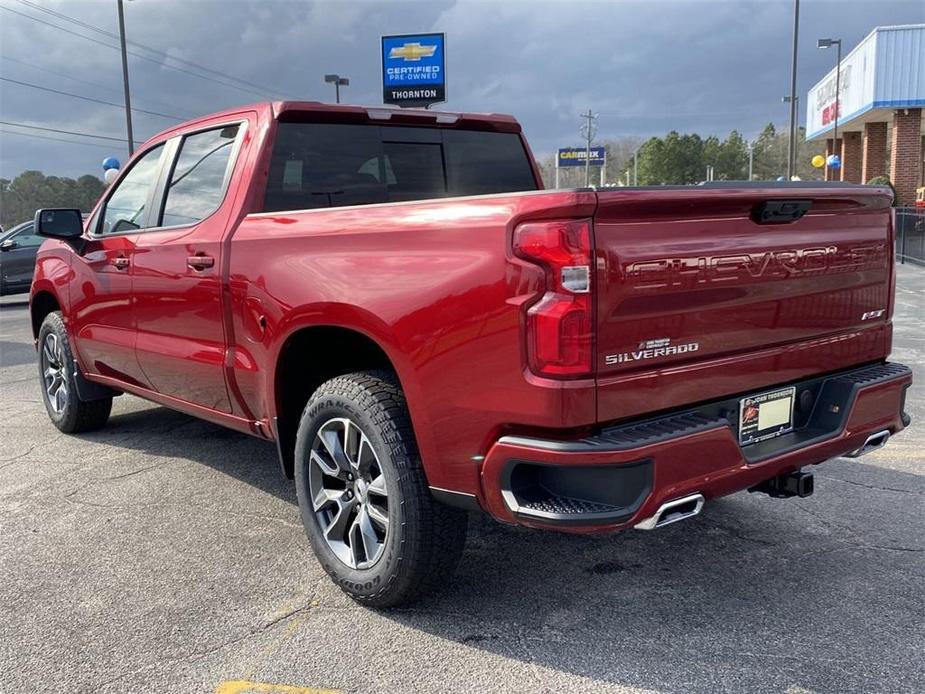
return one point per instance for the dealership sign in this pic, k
(575, 156)
(855, 91)
(414, 69)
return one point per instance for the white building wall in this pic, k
(900, 69)
(885, 70)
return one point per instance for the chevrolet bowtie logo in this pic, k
(412, 51)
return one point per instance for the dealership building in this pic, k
(880, 108)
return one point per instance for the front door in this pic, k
(176, 281)
(102, 320)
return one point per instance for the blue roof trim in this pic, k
(895, 103)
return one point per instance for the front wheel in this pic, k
(363, 496)
(59, 389)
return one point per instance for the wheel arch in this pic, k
(41, 304)
(313, 353)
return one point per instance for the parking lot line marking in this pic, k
(296, 618)
(245, 686)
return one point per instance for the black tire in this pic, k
(425, 539)
(73, 415)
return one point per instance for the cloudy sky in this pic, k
(645, 67)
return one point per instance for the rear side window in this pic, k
(330, 165)
(200, 176)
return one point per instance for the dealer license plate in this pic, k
(766, 415)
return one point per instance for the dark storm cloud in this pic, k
(645, 67)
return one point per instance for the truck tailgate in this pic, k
(697, 300)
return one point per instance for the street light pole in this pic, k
(338, 82)
(828, 43)
(128, 98)
(837, 90)
(792, 144)
(791, 150)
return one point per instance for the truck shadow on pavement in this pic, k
(756, 594)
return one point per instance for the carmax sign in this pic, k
(575, 156)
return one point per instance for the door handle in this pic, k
(120, 263)
(200, 262)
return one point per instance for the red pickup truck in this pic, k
(391, 297)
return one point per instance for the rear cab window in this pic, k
(317, 165)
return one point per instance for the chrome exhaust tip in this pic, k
(873, 442)
(672, 512)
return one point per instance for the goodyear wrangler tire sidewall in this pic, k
(359, 583)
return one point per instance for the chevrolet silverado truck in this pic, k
(391, 298)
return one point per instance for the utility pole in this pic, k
(751, 155)
(128, 98)
(636, 166)
(588, 131)
(792, 149)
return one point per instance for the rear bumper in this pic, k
(624, 474)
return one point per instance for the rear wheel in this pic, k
(363, 496)
(59, 391)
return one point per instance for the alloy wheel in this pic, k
(348, 493)
(54, 373)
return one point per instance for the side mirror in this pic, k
(8, 245)
(59, 223)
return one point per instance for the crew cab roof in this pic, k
(318, 111)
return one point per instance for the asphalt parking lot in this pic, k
(164, 554)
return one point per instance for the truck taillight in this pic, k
(559, 325)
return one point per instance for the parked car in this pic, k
(390, 297)
(18, 248)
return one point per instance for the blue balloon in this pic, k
(110, 163)
(834, 161)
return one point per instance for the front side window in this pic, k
(197, 184)
(26, 238)
(126, 207)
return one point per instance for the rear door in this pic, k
(699, 296)
(177, 271)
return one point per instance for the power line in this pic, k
(58, 139)
(71, 77)
(92, 27)
(159, 63)
(65, 132)
(88, 98)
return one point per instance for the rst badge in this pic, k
(652, 349)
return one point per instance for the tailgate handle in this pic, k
(780, 211)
